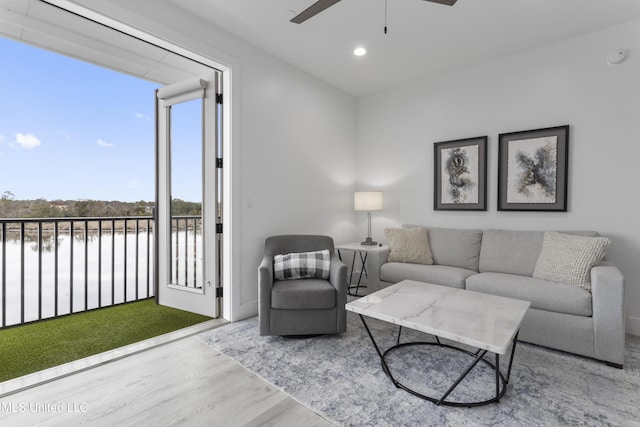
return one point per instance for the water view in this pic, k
(64, 244)
(57, 274)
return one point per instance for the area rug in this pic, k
(340, 378)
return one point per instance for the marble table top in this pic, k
(484, 321)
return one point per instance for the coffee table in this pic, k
(486, 322)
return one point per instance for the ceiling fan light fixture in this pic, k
(360, 51)
(321, 5)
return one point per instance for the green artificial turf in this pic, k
(36, 346)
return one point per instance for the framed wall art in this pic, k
(532, 170)
(460, 174)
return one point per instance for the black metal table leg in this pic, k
(461, 377)
(513, 350)
(497, 378)
(501, 380)
(385, 368)
(363, 270)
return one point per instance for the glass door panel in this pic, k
(186, 175)
(187, 193)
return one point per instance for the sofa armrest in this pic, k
(376, 257)
(338, 275)
(265, 283)
(607, 291)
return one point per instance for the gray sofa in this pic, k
(502, 262)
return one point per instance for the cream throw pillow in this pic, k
(568, 259)
(408, 245)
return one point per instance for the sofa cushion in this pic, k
(513, 251)
(301, 265)
(408, 245)
(303, 294)
(509, 251)
(394, 272)
(568, 259)
(542, 294)
(456, 247)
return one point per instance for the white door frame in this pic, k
(203, 300)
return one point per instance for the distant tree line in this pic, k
(41, 208)
(182, 207)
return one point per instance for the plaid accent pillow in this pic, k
(302, 265)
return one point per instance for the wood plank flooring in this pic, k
(181, 383)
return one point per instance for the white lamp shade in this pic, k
(367, 201)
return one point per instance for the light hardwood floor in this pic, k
(181, 383)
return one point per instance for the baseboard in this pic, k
(244, 311)
(633, 325)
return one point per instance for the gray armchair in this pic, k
(307, 306)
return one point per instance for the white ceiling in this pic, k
(423, 38)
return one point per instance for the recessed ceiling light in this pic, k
(360, 51)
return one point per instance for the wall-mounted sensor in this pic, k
(617, 57)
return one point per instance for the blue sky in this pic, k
(73, 130)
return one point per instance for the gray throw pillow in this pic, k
(408, 245)
(568, 259)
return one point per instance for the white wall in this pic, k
(293, 151)
(564, 83)
(293, 138)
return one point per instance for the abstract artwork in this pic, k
(532, 170)
(460, 169)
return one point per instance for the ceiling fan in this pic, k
(321, 5)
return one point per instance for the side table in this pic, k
(359, 251)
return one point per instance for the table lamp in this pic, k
(368, 201)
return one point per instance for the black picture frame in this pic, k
(460, 175)
(533, 167)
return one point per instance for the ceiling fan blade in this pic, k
(313, 10)
(447, 2)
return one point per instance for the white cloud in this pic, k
(28, 141)
(103, 143)
(1, 137)
(142, 116)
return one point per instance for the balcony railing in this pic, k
(56, 266)
(186, 251)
